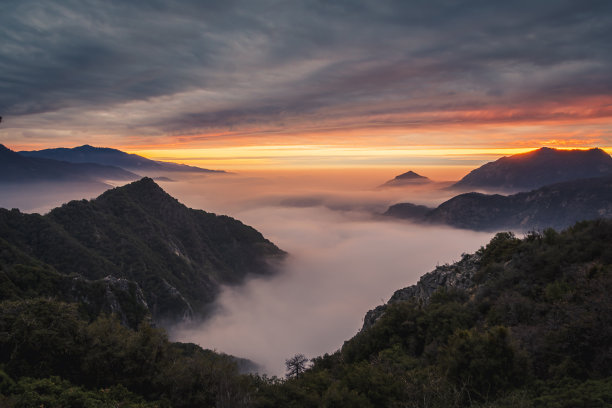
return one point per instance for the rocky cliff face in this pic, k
(121, 297)
(456, 276)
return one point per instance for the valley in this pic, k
(305, 204)
(342, 259)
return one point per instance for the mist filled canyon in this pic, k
(344, 257)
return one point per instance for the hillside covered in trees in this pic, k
(134, 251)
(521, 323)
(528, 325)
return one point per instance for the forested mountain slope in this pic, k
(521, 323)
(132, 250)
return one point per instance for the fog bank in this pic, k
(343, 261)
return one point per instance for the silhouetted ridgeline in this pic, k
(15, 168)
(537, 168)
(113, 157)
(134, 251)
(555, 206)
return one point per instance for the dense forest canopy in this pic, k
(534, 330)
(135, 251)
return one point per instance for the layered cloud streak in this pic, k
(155, 72)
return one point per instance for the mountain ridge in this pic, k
(557, 206)
(115, 157)
(537, 168)
(177, 256)
(15, 167)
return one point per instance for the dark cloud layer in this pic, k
(208, 64)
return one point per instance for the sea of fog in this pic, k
(344, 259)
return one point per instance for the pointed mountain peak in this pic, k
(145, 191)
(409, 175)
(144, 185)
(147, 182)
(406, 179)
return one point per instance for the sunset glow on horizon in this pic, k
(257, 85)
(454, 160)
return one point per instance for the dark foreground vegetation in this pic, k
(535, 330)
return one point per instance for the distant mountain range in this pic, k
(134, 251)
(538, 168)
(556, 206)
(408, 178)
(113, 157)
(15, 167)
(83, 164)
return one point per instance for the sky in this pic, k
(260, 84)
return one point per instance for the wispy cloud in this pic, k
(152, 72)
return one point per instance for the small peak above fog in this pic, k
(410, 175)
(407, 178)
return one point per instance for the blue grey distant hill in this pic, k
(538, 168)
(555, 206)
(16, 168)
(113, 157)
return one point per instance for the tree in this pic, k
(485, 365)
(296, 365)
